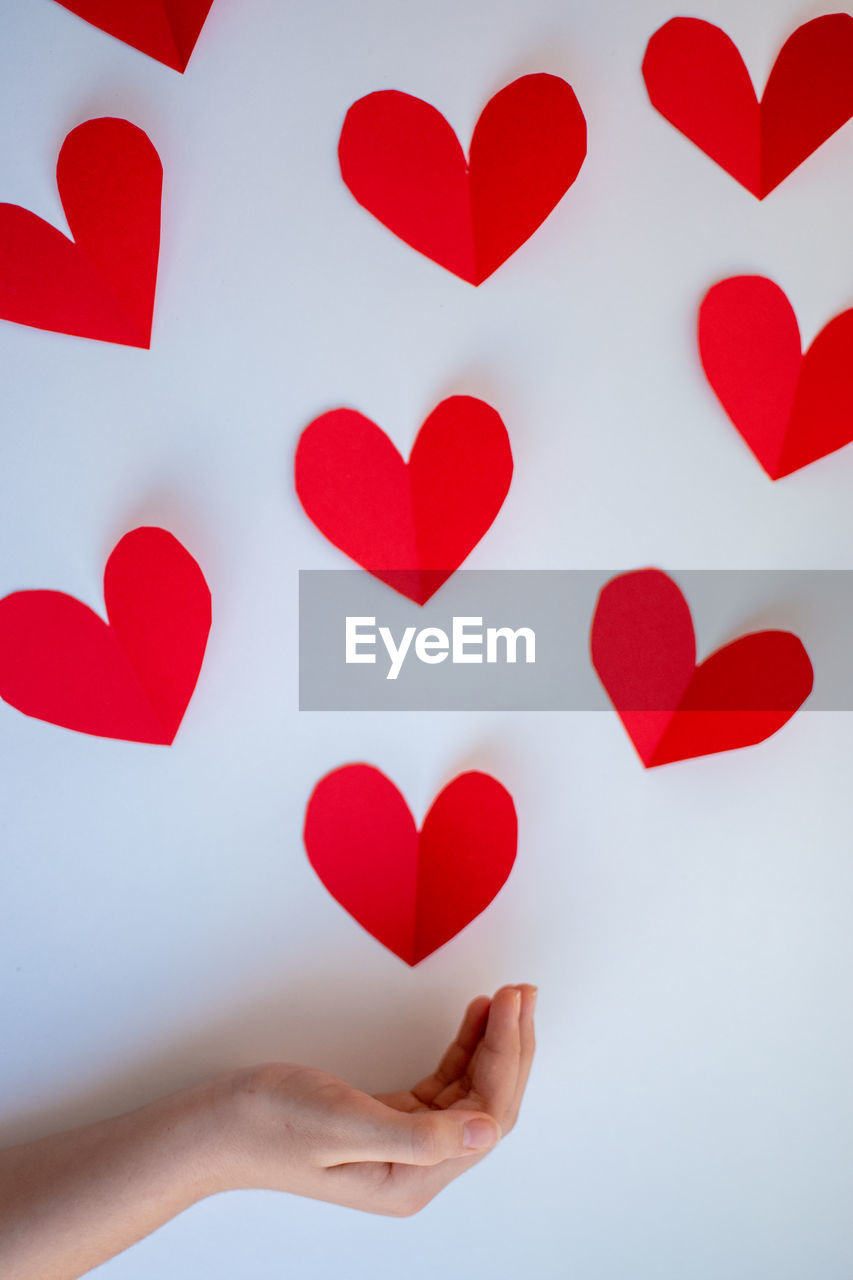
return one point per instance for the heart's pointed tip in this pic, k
(409, 957)
(471, 277)
(174, 61)
(164, 737)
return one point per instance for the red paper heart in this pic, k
(697, 79)
(130, 679)
(790, 408)
(100, 284)
(413, 891)
(409, 524)
(164, 29)
(403, 162)
(644, 650)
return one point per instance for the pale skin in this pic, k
(70, 1201)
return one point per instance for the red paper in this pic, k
(403, 162)
(409, 524)
(696, 78)
(101, 283)
(790, 408)
(413, 891)
(131, 678)
(644, 650)
(164, 29)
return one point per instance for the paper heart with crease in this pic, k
(404, 164)
(101, 283)
(164, 29)
(697, 79)
(411, 890)
(644, 651)
(130, 677)
(791, 408)
(410, 524)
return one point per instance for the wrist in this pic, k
(235, 1109)
(188, 1132)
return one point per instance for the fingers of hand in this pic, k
(420, 1153)
(495, 1069)
(419, 1138)
(528, 1048)
(469, 1086)
(456, 1059)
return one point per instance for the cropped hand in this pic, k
(70, 1201)
(314, 1135)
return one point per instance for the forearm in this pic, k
(70, 1201)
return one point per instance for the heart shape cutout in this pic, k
(411, 890)
(791, 408)
(410, 524)
(131, 677)
(164, 29)
(644, 651)
(101, 283)
(697, 79)
(404, 164)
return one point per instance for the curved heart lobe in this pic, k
(101, 283)
(790, 408)
(644, 651)
(164, 29)
(697, 79)
(131, 677)
(411, 524)
(411, 890)
(404, 164)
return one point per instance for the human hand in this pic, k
(301, 1130)
(71, 1200)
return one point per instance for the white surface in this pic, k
(689, 1114)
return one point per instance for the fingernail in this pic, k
(479, 1134)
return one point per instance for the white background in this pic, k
(689, 1115)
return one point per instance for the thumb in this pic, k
(425, 1137)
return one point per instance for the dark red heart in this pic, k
(409, 524)
(164, 29)
(403, 162)
(100, 284)
(697, 79)
(130, 678)
(644, 650)
(412, 890)
(790, 408)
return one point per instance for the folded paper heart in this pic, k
(131, 677)
(164, 29)
(644, 651)
(410, 524)
(412, 890)
(791, 408)
(101, 283)
(697, 79)
(403, 162)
